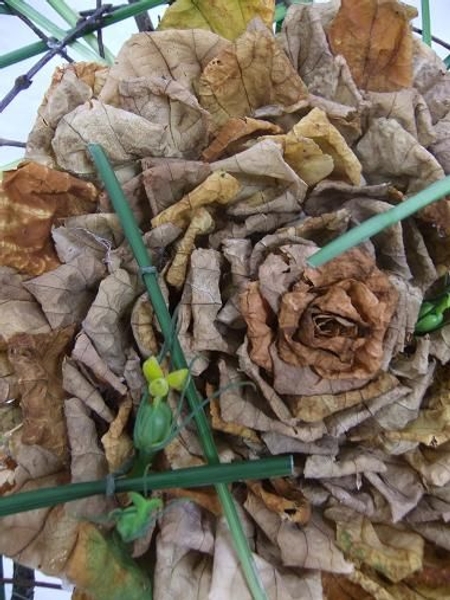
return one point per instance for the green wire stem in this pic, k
(51, 28)
(191, 477)
(426, 22)
(375, 224)
(150, 278)
(71, 17)
(118, 15)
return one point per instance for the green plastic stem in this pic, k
(142, 257)
(426, 22)
(375, 224)
(191, 477)
(41, 21)
(118, 15)
(71, 17)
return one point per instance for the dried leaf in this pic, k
(219, 187)
(116, 441)
(306, 44)
(84, 352)
(37, 363)
(88, 462)
(20, 313)
(161, 101)
(167, 180)
(349, 463)
(123, 135)
(230, 139)
(374, 37)
(230, 84)
(103, 323)
(32, 197)
(228, 20)
(407, 164)
(228, 427)
(173, 54)
(66, 293)
(201, 223)
(143, 325)
(294, 509)
(267, 182)
(393, 552)
(71, 85)
(75, 383)
(317, 127)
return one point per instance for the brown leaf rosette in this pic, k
(331, 320)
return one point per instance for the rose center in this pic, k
(329, 325)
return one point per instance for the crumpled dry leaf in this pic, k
(228, 20)
(206, 302)
(142, 322)
(75, 383)
(103, 322)
(84, 352)
(116, 441)
(88, 462)
(71, 85)
(230, 139)
(32, 197)
(306, 44)
(441, 148)
(230, 85)
(317, 127)
(173, 54)
(201, 223)
(161, 101)
(294, 508)
(219, 187)
(123, 135)
(65, 293)
(375, 38)
(20, 313)
(407, 107)
(407, 164)
(391, 551)
(266, 181)
(349, 463)
(310, 547)
(167, 180)
(37, 363)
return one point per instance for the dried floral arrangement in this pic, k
(241, 152)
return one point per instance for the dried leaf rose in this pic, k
(331, 320)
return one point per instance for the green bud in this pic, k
(153, 424)
(429, 323)
(177, 379)
(158, 388)
(152, 369)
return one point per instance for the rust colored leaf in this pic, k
(258, 316)
(375, 38)
(231, 138)
(338, 587)
(230, 86)
(37, 361)
(288, 504)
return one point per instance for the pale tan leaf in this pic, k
(75, 383)
(116, 441)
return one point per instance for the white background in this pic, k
(18, 118)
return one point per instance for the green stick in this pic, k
(71, 17)
(142, 257)
(426, 22)
(375, 224)
(118, 15)
(221, 474)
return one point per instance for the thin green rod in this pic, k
(426, 22)
(150, 278)
(375, 224)
(41, 21)
(71, 17)
(192, 477)
(118, 15)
